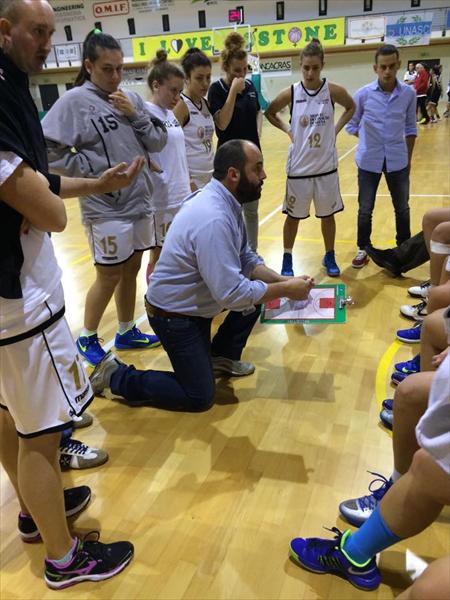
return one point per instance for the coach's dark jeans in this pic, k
(187, 341)
(398, 184)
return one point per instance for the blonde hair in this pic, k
(234, 49)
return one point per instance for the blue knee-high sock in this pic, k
(372, 537)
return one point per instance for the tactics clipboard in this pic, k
(326, 304)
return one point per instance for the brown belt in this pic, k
(154, 311)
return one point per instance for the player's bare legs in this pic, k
(100, 293)
(125, 292)
(290, 230)
(410, 403)
(433, 584)
(433, 339)
(328, 225)
(9, 452)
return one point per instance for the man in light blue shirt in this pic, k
(385, 122)
(205, 266)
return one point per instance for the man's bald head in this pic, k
(26, 28)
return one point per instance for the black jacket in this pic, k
(21, 133)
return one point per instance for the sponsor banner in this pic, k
(265, 38)
(365, 28)
(112, 8)
(146, 6)
(67, 52)
(411, 29)
(276, 67)
(67, 11)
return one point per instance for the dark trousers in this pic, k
(398, 184)
(187, 341)
(422, 106)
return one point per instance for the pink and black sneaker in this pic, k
(91, 561)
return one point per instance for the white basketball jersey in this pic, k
(313, 151)
(198, 134)
(171, 186)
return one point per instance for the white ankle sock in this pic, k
(287, 250)
(124, 326)
(395, 475)
(87, 332)
(65, 560)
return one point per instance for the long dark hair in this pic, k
(193, 58)
(95, 41)
(162, 69)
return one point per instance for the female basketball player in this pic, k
(192, 111)
(237, 114)
(171, 185)
(93, 126)
(312, 159)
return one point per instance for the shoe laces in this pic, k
(376, 493)
(361, 254)
(74, 446)
(326, 548)
(419, 307)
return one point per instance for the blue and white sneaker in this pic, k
(388, 403)
(90, 349)
(412, 335)
(398, 377)
(409, 366)
(357, 510)
(134, 338)
(329, 262)
(286, 268)
(327, 556)
(387, 418)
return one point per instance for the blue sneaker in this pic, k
(134, 338)
(90, 349)
(357, 510)
(410, 336)
(388, 403)
(327, 556)
(409, 366)
(329, 262)
(398, 377)
(286, 267)
(387, 418)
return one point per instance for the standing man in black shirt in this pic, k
(237, 114)
(42, 383)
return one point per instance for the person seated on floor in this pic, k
(414, 251)
(406, 509)
(205, 267)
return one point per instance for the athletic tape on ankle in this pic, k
(439, 247)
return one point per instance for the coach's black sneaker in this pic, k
(75, 500)
(91, 561)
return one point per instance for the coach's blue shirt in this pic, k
(382, 121)
(205, 263)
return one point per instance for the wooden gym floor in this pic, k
(212, 500)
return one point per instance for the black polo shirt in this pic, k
(243, 123)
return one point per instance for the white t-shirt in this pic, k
(410, 76)
(170, 187)
(198, 135)
(40, 274)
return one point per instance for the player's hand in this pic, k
(438, 359)
(238, 85)
(121, 101)
(119, 176)
(298, 288)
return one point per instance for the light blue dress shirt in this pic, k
(205, 263)
(383, 120)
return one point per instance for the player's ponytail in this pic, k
(314, 48)
(161, 69)
(234, 49)
(94, 42)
